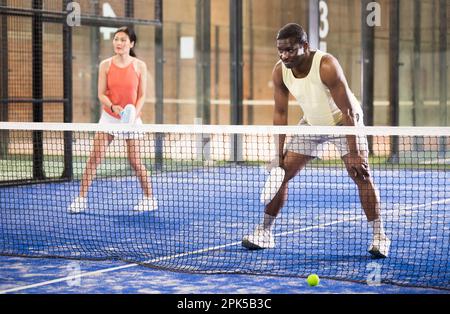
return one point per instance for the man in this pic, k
(317, 82)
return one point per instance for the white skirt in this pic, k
(106, 118)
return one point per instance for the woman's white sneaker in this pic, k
(147, 204)
(78, 205)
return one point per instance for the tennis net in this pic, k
(207, 181)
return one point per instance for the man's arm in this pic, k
(280, 114)
(333, 77)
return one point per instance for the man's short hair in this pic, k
(293, 30)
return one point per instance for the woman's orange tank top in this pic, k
(121, 86)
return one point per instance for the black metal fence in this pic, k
(36, 78)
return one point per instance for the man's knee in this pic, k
(293, 164)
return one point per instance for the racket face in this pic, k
(272, 185)
(128, 114)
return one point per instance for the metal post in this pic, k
(159, 83)
(203, 60)
(177, 73)
(417, 99)
(394, 54)
(68, 103)
(367, 68)
(129, 8)
(203, 72)
(217, 72)
(4, 134)
(313, 24)
(236, 75)
(417, 76)
(38, 113)
(250, 61)
(434, 29)
(95, 57)
(443, 74)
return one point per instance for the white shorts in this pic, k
(319, 145)
(106, 118)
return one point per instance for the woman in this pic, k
(122, 80)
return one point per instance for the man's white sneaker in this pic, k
(147, 204)
(380, 246)
(78, 205)
(259, 239)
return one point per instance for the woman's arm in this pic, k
(104, 100)
(142, 87)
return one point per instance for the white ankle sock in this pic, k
(268, 221)
(377, 226)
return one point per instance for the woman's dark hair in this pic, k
(131, 34)
(293, 30)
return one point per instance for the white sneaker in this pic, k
(260, 239)
(380, 246)
(78, 205)
(146, 204)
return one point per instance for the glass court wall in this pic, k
(197, 57)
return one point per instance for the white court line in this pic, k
(97, 272)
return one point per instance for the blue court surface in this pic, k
(193, 241)
(42, 276)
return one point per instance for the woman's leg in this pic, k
(134, 156)
(100, 144)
